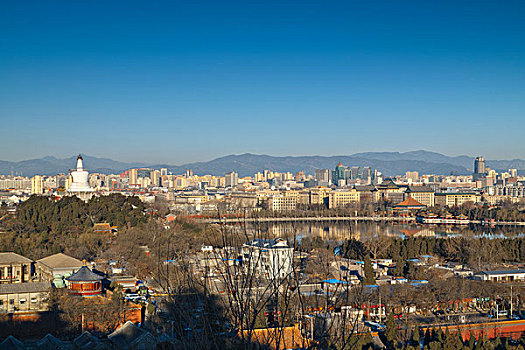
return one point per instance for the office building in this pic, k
(480, 170)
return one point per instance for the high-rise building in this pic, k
(155, 178)
(340, 174)
(479, 168)
(367, 174)
(232, 179)
(37, 184)
(133, 177)
(61, 180)
(412, 176)
(323, 176)
(300, 177)
(355, 172)
(163, 171)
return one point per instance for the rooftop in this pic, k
(504, 272)
(419, 189)
(268, 243)
(13, 258)
(84, 275)
(126, 334)
(410, 202)
(60, 260)
(14, 288)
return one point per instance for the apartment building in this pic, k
(422, 194)
(456, 198)
(342, 198)
(282, 203)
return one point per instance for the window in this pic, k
(34, 300)
(1, 302)
(22, 301)
(11, 301)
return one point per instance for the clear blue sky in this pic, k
(181, 81)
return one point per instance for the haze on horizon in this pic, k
(181, 82)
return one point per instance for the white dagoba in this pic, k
(80, 185)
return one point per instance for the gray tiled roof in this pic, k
(50, 342)
(126, 334)
(11, 343)
(84, 274)
(13, 258)
(14, 288)
(420, 189)
(60, 260)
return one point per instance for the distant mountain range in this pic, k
(389, 163)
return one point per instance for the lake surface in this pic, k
(337, 231)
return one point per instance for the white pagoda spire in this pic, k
(79, 163)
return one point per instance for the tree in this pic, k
(415, 336)
(391, 333)
(370, 276)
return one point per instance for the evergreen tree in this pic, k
(391, 332)
(370, 276)
(415, 336)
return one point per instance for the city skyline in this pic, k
(390, 163)
(177, 83)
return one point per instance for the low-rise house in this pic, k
(24, 297)
(57, 266)
(128, 283)
(501, 275)
(271, 258)
(15, 268)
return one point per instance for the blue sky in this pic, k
(181, 81)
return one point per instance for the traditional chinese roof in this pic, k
(128, 335)
(84, 274)
(11, 343)
(410, 202)
(87, 341)
(50, 342)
